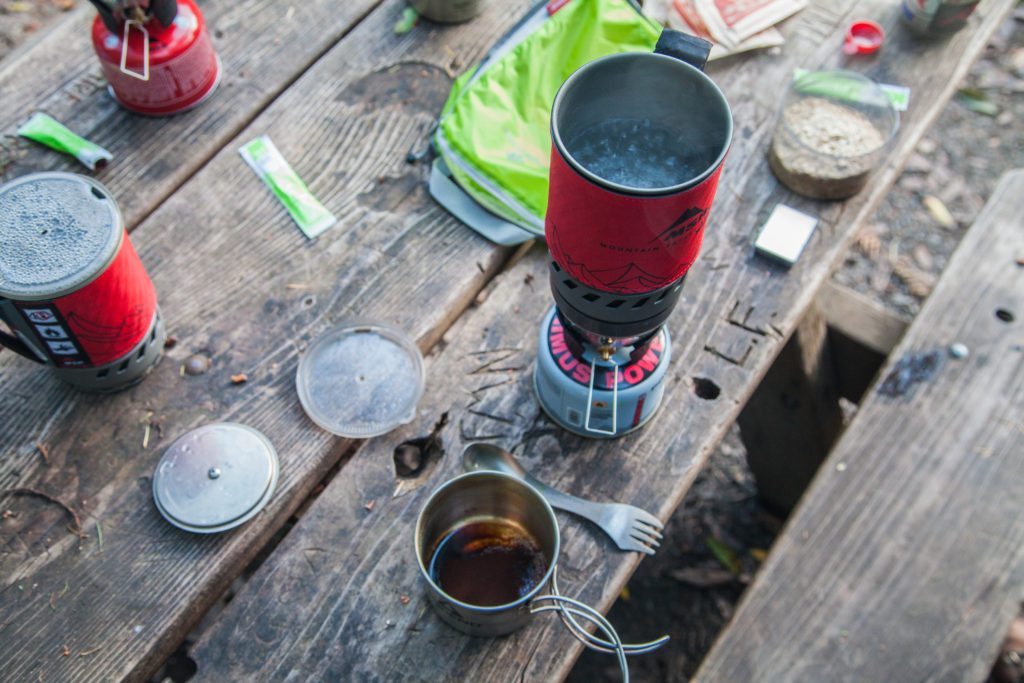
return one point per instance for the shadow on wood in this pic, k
(793, 417)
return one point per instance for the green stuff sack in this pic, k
(493, 137)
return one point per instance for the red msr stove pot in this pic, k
(156, 54)
(638, 142)
(73, 293)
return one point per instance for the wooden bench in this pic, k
(905, 559)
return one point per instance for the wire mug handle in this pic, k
(568, 609)
(684, 47)
(144, 75)
(562, 604)
(590, 402)
(597, 644)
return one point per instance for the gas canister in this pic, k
(156, 54)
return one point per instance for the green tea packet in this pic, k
(48, 131)
(309, 214)
(845, 89)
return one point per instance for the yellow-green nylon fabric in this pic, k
(500, 123)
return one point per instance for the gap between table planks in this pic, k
(236, 280)
(905, 559)
(263, 46)
(329, 601)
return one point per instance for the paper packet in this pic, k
(309, 214)
(844, 89)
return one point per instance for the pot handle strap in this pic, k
(18, 346)
(684, 47)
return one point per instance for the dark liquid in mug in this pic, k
(488, 563)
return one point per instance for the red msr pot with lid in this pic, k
(629, 218)
(156, 54)
(73, 293)
(638, 142)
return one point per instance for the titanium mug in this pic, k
(606, 226)
(483, 497)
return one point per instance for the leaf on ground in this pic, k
(918, 282)
(939, 211)
(869, 242)
(703, 577)
(923, 257)
(759, 554)
(724, 554)
(18, 6)
(406, 22)
(879, 280)
(624, 593)
(977, 101)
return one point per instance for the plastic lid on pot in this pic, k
(59, 231)
(361, 380)
(215, 477)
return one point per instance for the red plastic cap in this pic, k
(555, 5)
(863, 38)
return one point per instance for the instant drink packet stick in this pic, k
(48, 131)
(309, 214)
(846, 89)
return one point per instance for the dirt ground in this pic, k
(718, 537)
(956, 166)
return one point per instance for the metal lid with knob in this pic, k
(215, 478)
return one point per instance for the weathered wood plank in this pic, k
(239, 283)
(793, 417)
(862, 319)
(263, 47)
(50, 23)
(905, 560)
(328, 603)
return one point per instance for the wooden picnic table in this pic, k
(344, 98)
(910, 535)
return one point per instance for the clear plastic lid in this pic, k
(361, 380)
